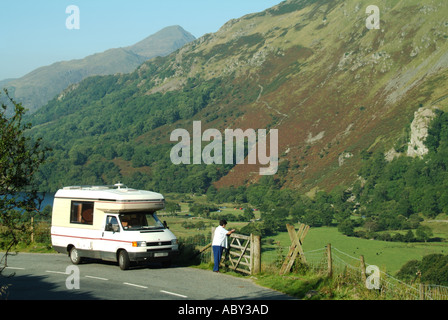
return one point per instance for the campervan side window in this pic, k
(81, 212)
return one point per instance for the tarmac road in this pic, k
(53, 277)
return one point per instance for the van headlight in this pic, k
(174, 242)
(139, 244)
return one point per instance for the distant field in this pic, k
(175, 225)
(388, 256)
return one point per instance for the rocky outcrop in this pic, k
(419, 131)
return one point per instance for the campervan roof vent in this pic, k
(87, 188)
(117, 186)
(73, 188)
(98, 188)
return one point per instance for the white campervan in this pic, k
(113, 223)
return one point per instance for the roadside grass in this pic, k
(310, 285)
(32, 248)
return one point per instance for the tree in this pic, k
(424, 233)
(347, 227)
(20, 158)
(248, 213)
(172, 207)
(409, 236)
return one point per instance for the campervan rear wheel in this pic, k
(123, 260)
(74, 256)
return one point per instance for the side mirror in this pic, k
(165, 225)
(112, 227)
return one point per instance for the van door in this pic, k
(110, 238)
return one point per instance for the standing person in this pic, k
(220, 242)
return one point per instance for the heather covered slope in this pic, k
(311, 69)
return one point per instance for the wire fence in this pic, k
(381, 284)
(385, 285)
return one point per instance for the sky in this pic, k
(34, 33)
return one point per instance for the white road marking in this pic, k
(14, 268)
(173, 294)
(135, 285)
(57, 272)
(97, 278)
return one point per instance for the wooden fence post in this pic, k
(363, 270)
(295, 248)
(212, 259)
(421, 291)
(32, 229)
(256, 257)
(330, 261)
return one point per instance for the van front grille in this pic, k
(158, 243)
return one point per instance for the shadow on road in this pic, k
(28, 287)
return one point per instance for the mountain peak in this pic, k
(163, 42)
(39, 86)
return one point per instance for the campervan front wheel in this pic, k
(123, 260)
(74, 256)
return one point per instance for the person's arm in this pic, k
(230, 232)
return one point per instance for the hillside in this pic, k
(41, 85)
(311, 69)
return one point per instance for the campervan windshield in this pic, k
(140, 221)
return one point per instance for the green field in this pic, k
(388, 256)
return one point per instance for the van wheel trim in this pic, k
(74, 256)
